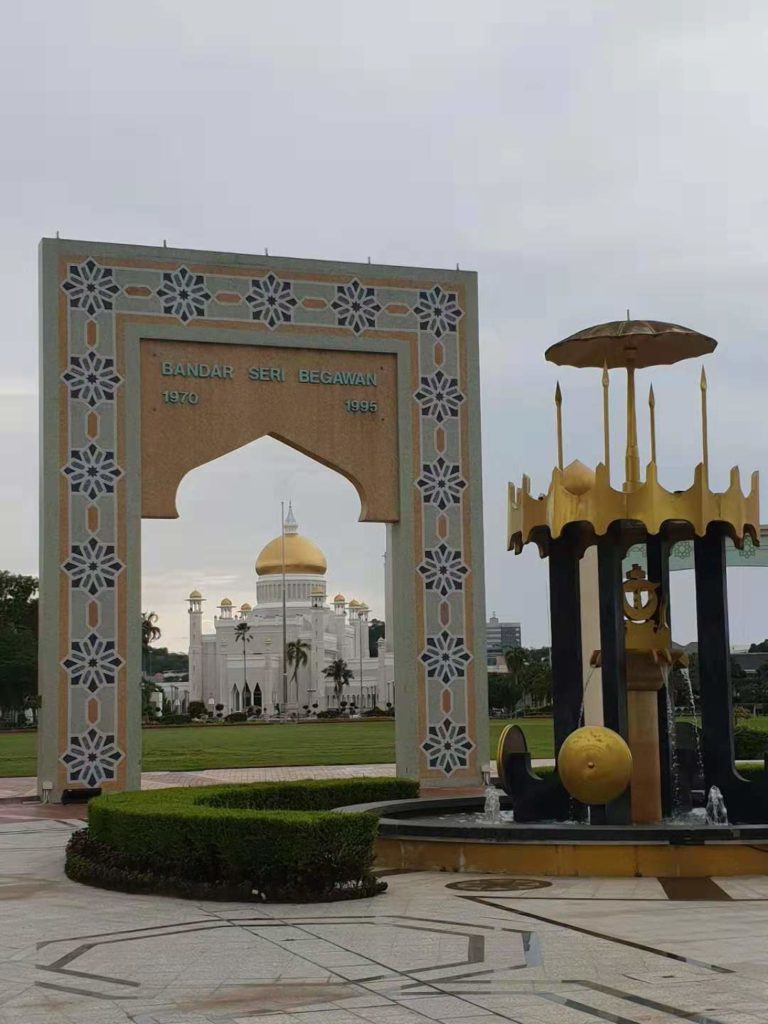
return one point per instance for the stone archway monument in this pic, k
(155, 361)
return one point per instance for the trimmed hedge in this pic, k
(275, 841)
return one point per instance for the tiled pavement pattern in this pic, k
(575, 951)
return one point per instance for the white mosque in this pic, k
(219, 674)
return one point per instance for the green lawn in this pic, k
(251, 746)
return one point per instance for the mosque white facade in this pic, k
(241, 668)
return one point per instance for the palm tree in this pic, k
(340, 673)
(297, 654)
(150, 632)
(243, 636)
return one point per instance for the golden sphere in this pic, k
(595, 764)
(578, 478)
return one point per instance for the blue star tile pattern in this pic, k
(92, 662)
(90, 287)
(441, 483)
(183, 294)
(447, 746)
(92, 758)
(271, 300)
(438, 311)
(92, 471)
(439, 396)
(355, 306)
(92, 378)
(93, 566)
(445, 657)
(443, 570)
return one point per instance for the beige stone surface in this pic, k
(233, 409)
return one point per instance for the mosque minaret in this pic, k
(218, 674)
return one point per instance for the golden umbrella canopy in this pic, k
(635, 343)
(632, 344)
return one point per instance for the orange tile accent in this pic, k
(445, 613)
(314, 303)
(440, 439)
(397, 309)
(446, 701)
(138, 291)
(92, 425)
(232, 297)
(93, 711)
(439, 353)
(92, 518)
(91, 334)
(93, 614)
(442, 526)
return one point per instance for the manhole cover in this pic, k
(498, 884)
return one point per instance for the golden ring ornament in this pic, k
(595, 764)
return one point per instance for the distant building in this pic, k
(500, 637)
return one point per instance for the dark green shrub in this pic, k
(749, 743)
(279, 841)
(197, 709)
(330, 713)
(175, 720)
(236, 716)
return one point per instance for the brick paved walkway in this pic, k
(17, 789)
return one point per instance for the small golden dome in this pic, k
(363, 606)
(354, 603)
(195, 596)
(578, 478)
(245, 607)
(225, 603)
(339, 599)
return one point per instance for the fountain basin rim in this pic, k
(405, 819)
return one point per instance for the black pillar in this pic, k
(714, 657)
(613, 657)
(657, 549)
(565, 613)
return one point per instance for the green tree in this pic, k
(243, 636)
(164, 660)
(297, 655)
(18, 639)
(340, 673)
(376, 631)
(503, 693)
(150, 632)
(530, 670)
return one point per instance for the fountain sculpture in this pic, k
(621, 799)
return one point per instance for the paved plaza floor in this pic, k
(458, 949)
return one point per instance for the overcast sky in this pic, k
(582, 157)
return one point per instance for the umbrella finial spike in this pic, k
(559, 420)
(606, 422)
(652, 409)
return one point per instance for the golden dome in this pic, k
(195, 596)
(578, 478)
(363, 605)
(339, 599)
(225, 603)
(302, 556)
(354, 603)
(245, 607)
(318, 590)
